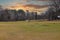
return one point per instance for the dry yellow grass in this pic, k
(30, 30)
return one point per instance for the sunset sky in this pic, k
(37, 2)
(32, 5)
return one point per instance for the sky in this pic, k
(23, 4)
(10, 2)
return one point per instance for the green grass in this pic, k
(34, 30)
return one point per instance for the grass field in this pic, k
(30, 30)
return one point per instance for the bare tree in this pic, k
(55, 7)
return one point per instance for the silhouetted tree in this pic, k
(1, 13)
(21, 15)
(54, 8)
(27, 15)
(35, 15)
(5, 15)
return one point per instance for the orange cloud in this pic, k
(29, 7)
(35, 0)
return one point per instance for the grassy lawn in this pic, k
(30, 30)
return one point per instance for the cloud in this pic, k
(30, 7)
(26, 4)
(36, 0)
(36, 6)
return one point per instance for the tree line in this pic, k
(53, 13)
